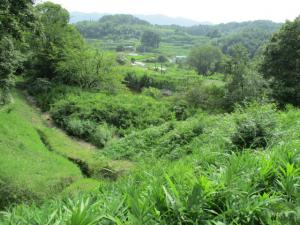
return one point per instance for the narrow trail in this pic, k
(47, 120)
(79, 152)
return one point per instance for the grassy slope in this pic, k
(70, 148)
(39, 160)
(28, 170)
(213, 185)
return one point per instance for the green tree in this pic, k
(244, 83)
(88, 69)
(162, 59)
(150, 39)
(206, 59)
(281, 63)
(239, 60)
(60, 55)
(15, 17)
(7, 68)
(58, 39)
(214, 33)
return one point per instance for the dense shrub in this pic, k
(245, 87)
(181, 109)
(39, 85)
(206, 184)
(255, 127)
(80, 128)
(136, 81)
(208, 97)
(169, 140)
(102, 134)
(121, 59)
(97, 134)
(244, 83)
(46, 93)
(152, 92)
(81, 115)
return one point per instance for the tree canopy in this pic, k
(150, 39)
(15, 17)
(206, 59)
(57, 39)
(244, 84)
(281, 63)
(114, 27)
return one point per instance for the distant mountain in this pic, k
(123, 19)
(114, 27)
(153, 19)
(166, 20)
(79, 16)
(251, 34)
(233, 27)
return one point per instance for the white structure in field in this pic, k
(179, 58)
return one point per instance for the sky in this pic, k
(215, 11)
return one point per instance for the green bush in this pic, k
(137, 83)
(181, 109)
(137, 80)
(102, 134)
(80, 115)
(39, 85)
(46, 93)
(208, 97)
(255, 127)
(169, 140)
(121, 59)
(97, 134)
(80, 128)
(152, 92)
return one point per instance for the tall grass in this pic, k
(28, 170)
(212, 182)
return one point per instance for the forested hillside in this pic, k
(153, 19)
(122, 122)
(127, 28)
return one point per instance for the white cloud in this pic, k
(202, 10)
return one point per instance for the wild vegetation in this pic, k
(127, 30)
(162, 125)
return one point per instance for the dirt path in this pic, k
(47, 120)
(82, 153)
